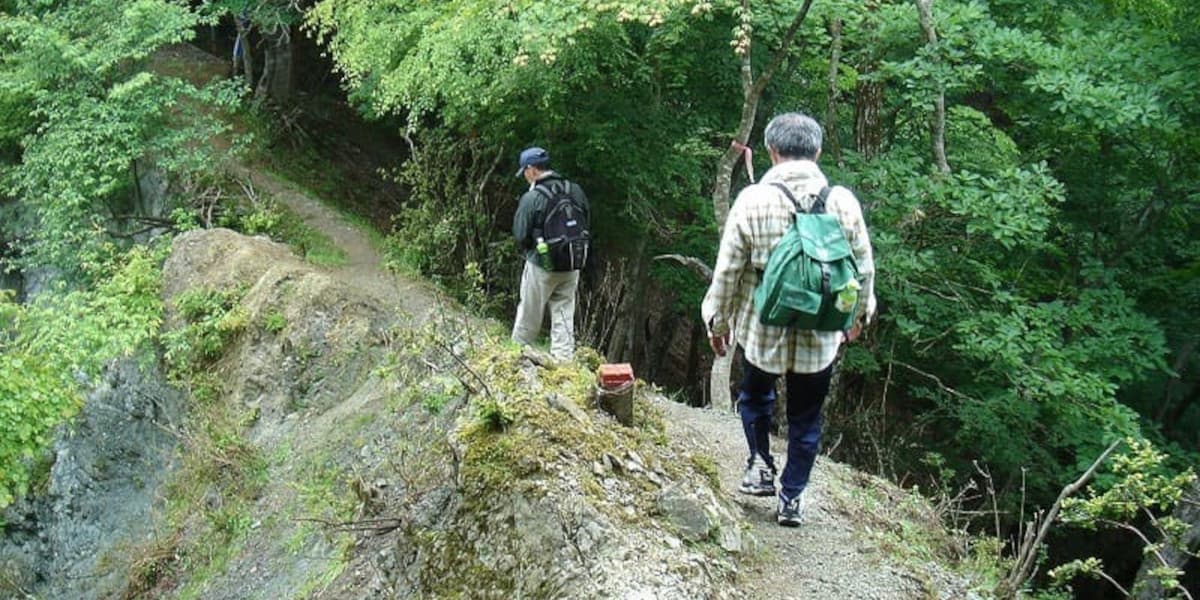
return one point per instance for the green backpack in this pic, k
(811, 278)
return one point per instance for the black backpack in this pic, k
(565, 228)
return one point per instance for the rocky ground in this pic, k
(846, 547)
(378, 443)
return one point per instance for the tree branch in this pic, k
(695, 265)
(781, 52)
(1027, 557)
(937, 380)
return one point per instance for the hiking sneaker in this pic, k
(759, 480)
(790, 511)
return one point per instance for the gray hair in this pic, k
(794, 135)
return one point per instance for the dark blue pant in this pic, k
(756, 404)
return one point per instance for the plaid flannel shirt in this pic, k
(758, 219)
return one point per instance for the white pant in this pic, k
(540, 288)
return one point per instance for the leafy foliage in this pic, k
(597, 83)
(1143, 487)
(1012, 288)
(79, 98)
(50, 349)
(212, 318)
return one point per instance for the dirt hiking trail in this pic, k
(363, 268)
(831, 556)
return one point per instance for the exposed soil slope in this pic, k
(835, 554)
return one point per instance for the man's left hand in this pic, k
(719, 343)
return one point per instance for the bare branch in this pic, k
(1027, 558)
(463, 363)
(376, 526)
(695, 265)
(937, 380)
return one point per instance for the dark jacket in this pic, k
(531, 214)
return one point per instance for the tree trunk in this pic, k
(868, 96)
(831, 124)
(633, 308)
(752, 90)
(276, 80)
(1173, 419)
(937, 121)
(1148, 587)
(724, 180)
(1174, 386)
(868, 136)
(692, 374)
(247, 58)
(660, 342)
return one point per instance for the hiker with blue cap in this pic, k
(551, 227)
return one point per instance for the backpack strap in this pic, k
(548, 193)
(817, 208)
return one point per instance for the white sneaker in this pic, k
(790, 512)
(758, 480)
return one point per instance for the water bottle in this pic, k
(847, 297)
(543, 250)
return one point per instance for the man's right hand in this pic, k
(852, 334)
(719, 343)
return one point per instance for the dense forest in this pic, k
(1029, 174)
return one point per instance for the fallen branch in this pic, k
(463, 363)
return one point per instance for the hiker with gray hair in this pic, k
(551, 227)
(757, 221)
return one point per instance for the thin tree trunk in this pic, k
(724, 178)
(937, 122)
(1173, 384)
(752, 89)
(660, 343)
(633, 307)
(868, 95)
(692, 375)
(276, 80)
(1173, 419)
(247, 58)
(831, 124)
(1148, 587)
(868, 136)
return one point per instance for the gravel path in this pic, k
(826, 557)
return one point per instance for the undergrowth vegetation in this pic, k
(220, 474)
(53, 348)
(231, 201)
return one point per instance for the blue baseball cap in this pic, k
(533, 156)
